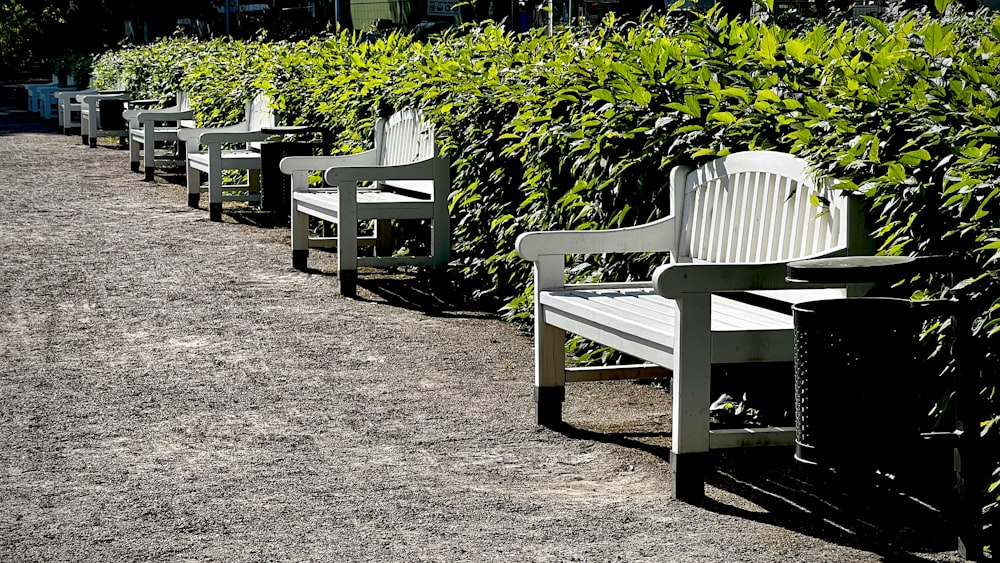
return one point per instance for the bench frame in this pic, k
(147, 127)
(733, 226)
(409, 180)
(90, 116)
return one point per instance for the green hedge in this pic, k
(579, 130)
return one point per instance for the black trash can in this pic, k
(856, 382)
(275, 186)
(111, 115)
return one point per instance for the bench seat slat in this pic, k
(371, 204)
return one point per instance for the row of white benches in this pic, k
(402, 178)
(733, 225)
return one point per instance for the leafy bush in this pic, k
(579, 130)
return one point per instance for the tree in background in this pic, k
(38, 37)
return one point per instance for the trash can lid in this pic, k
(861, 269)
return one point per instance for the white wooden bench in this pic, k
(102, 121)
(147, 127)
(213, 150)
(35, 93)
(408, 180)
(68, 108)
(734, 224)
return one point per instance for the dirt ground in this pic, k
(172, 390)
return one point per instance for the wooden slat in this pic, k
(750, 437)
(616, 373)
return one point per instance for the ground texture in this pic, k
(172, 390)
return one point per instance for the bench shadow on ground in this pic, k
(899, 519)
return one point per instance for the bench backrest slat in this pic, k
(404, 138)
(259, 115)
(756, 207)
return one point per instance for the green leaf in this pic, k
(603, 95)
(941, 5)
(878, 25)
(723, 117)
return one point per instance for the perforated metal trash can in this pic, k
(855, 381)
(275, 186)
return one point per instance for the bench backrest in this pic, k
(760, 206)
(404, 138)
(259, 115)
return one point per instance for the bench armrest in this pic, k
(192, 134)
(237, 136)
(672, 280)
(163, 115)
(420, 170)
(91, 98)
(656, 236)
(293, 164)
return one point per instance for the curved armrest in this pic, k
(656, 236)
(237, 136)
(309, 163)
(420, 170)
(671, 280)
(193, 134)
(166, 114)
(143, 104)
(92, 99)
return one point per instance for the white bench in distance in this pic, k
(147, 127)
(34, 96)
(408, 180)
(96, 123)
(213, 159)
(734, 224)
(69, 109)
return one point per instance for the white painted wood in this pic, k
(214, 150)
(733, 226)
(91, 127)
(68, 108)
(147, 127)
(402, 177)
(34, 93)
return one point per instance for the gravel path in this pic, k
(171, 390)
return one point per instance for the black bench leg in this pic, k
(134, 165)
(548, 408)
(215, 212)
(348, 283)
(149, 174)
(193, 200)
(689, 475)
(300, 259)
(93, 143)
(83, 139)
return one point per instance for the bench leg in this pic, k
(348, 282)
(83, 139)
(93, 142)
(550, 373)
(300, 238)
(548, 407)
(689, 475)
(133, 153)
(691, 394)
(148, 152)
(214, 187)
(193, 186)
(347, 239)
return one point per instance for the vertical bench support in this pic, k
(691, 394)
(550, 346)
(347, 238)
